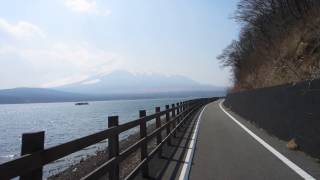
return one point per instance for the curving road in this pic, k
(228, 147)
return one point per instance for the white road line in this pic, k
(285, 160)
(184, 175)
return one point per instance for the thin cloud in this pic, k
(95, 81)
(21, 29)
(64, 81)
(86, 7)
(64, 63)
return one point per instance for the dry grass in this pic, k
(268, 54)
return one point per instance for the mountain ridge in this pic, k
(123, 82)
(115, 86)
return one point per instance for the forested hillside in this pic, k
(279, 43)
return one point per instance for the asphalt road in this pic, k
(225, 151)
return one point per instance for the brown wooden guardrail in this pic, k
(34, 156)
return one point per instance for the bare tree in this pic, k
(265, 25)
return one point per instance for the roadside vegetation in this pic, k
(279, 43)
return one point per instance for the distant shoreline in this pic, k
(35, 96)
(151, 98)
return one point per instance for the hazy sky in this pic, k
(46, 43)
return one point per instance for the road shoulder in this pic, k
(308, 163)
(225, 151)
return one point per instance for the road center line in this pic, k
(285, 160)
(184, 175)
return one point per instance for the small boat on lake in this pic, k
(81, 103)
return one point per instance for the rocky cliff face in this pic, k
(279, 43)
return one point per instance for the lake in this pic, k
(63, 122)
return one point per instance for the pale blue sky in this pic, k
(46, 43)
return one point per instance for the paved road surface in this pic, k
(226, 151)
(212, 146)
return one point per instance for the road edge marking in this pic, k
(285, 160)
(184, 175)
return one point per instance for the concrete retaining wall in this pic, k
(287, 111)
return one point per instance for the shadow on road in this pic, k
(169, 164)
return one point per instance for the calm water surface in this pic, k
(63, 122)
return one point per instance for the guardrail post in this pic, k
(158, 125)
(144, 144)
(183, 106)
(173, 117)
(113, 146)
(168, 127)
(181, 109)
(178, 113)
(32, 142)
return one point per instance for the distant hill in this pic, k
(39, 95)
(117, 85)
(32, 95)
(122, 82)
